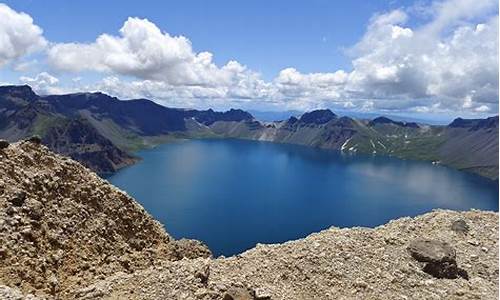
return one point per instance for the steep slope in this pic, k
(23, 114)
(77, 139)
(141, 116)
(472, 145)
(469, 145)
(113, 127)
(62, 226)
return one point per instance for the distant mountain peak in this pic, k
(319, 116)
(385, 120)
(208, 117)
(19, 91)
(475, 124)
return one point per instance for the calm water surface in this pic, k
(233, 194)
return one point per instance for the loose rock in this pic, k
(238, 294)
(203, 274)
(101, 244)
(4, 144)
(432, 251)
(460, 226)
(440, 258)
(262, 294)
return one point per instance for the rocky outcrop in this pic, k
(320, 116)
(355, 263)
(63, 226)
(82, 142)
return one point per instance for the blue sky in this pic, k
(349, 55)
(267, 36)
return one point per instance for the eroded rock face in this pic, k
(63, 226)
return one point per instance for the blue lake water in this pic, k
(232, 194)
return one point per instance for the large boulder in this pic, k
(440, 258)
(432, 251)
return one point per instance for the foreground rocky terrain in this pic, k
(67, 234)
(62, 226)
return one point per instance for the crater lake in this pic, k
(233, 194)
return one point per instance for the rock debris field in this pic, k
(65, 233)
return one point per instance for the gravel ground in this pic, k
(356, 263)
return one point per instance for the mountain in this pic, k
(96, 129)
(78, 139)
(68, 234)
(271, 116)
(24, 114)
(469, 145)
(384, 120)
(102, 131)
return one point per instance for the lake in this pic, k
(232, 194)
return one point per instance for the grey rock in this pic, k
(4, 144)
(432, 251)
(440, 258)
(460, 226)
(442, 270)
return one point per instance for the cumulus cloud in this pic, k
(18, 35)
(455, 66)
(43, 83)
(142, 50)
(449, 62)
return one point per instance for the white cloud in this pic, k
(439, 62)
(43, 83)
(18, 35)
(448, 63)
(142, 50)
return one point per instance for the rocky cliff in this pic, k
(67, 234)
(62, 226)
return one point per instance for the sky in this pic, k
(418, 58)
